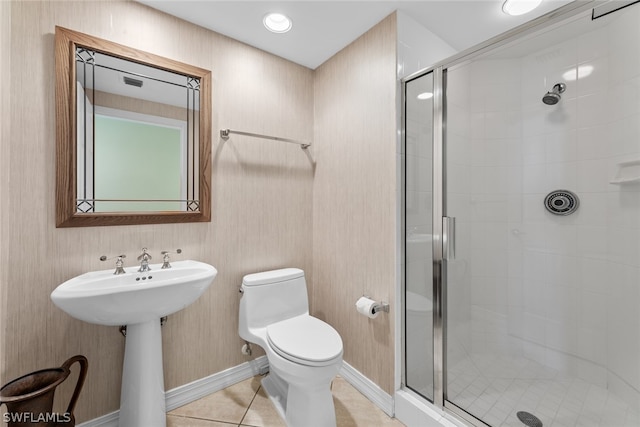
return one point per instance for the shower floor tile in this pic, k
(496, 388)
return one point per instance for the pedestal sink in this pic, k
(137, 300)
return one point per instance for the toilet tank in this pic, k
(272, 296)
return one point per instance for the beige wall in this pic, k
(262, 196)
(354, 197)
(5, 104)
(271, 206)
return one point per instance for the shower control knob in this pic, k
(561, 202)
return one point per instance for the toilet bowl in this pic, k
(304, 353)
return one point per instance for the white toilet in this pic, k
(304, 352)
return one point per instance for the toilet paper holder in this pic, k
(380, 306)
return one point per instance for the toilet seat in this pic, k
(305, 340)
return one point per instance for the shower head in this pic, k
(553, 97)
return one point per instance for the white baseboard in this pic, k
(371, 390)
(195, 390)
(198, 389)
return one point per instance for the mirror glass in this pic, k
(135, 146)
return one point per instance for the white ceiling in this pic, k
(323, 28)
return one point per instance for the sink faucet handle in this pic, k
(144, 258)
(144, 255)
(119, 263)
(165, 259)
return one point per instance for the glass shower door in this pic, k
(418, 225)
(482, 193)
(542, 324)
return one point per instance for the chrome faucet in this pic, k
(144, 261)
(165, 259)
(119, 263)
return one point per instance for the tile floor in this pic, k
(496, 387)
(246, 404)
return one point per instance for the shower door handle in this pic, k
(448, 238)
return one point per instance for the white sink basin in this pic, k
(106, 299)
(137, 300)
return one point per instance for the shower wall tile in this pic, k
(494, 152)
(624, 136)
(624, 246)
(534, 326)
(590, 109)
(562, 175)
(534, 150)
(460, 206)
(623, 346)
(561, 146)
(532, 207)
(594, 275)
(592, 46)
(562, 270)
(593, 176)
(593, 142)
(624, 97)
(593, 211)
(502, 124)
(496, 180)
(624, 66)
(561, 239)
(515, 251)
(534, 178)
(489, 207)
(598, 79)
(592, 242)
(499, 97)
(458, 179)
(467, 127)
(535, 234)
(477, 124)
(459, 147)
(515, 211)
(495, 72)
(623, 208)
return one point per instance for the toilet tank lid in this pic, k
(273, 276)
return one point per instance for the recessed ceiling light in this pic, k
(424, 95)
(519, 7)
(277, 22)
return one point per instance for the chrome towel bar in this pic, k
(224, 134)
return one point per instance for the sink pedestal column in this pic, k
(142, 400)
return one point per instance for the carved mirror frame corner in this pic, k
(66, 41)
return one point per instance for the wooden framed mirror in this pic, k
(133, 135)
